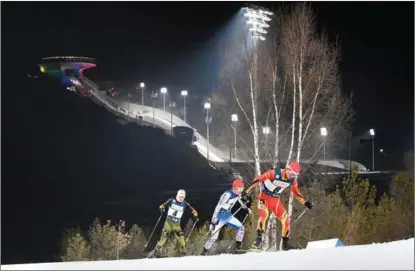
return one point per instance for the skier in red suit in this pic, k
(272, 183)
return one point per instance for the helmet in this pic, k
(181, 195)
(295, 168)
(238, 186)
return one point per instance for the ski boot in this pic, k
(204, 252)
(155, 253)
(258, 241)
(238, 248)
(286, 245)
(183, 253)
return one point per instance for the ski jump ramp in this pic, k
(69, 69)
(166, 120)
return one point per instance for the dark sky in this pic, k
(174, 44)
(171, 44)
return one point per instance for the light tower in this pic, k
(154, 95)
(184, 94)
(372, 133)
(164, 92)
(171, 105)
(234, 119)
(142, 85)
(257, 19)
(323, 132)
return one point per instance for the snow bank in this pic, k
(398, 255)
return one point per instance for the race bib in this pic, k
(276, 186)
(175, 211)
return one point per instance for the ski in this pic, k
(240, 252)
(255, 250)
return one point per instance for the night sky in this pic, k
(55, 171)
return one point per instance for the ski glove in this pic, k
(162, 210)
(196, 219)
(308, 204)
(246, 199)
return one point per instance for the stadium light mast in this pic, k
(234, 119)
(265, 131)
(323, 133)
(184, 94)
(142, 85)
(372, 133)
(164, 92)
(257, 18)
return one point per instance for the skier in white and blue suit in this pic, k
(223, 215)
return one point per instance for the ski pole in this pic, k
(246, 216)
(190, 233)
(298, 217)
(151, 235)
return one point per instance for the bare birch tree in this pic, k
(311, 64)
(296, 88)
(239, 74)
(276, 79)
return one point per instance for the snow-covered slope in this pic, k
(397, 255)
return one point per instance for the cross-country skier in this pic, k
(272, 183)
(223, 215)
(176, 208)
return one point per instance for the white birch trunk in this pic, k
(255, 132)
(277, 124)
(253, 92)
(278, 110)
(293, 122)
(290, 153)
(300, 105)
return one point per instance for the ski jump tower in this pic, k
(69, 70)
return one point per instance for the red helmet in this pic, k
(238, 186)
(295, 167)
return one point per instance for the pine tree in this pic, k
(123, 239)
(67, 234)
(135, 248)
(77, 250)
(108, 241)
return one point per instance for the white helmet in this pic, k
(181, 195)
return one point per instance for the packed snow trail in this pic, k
(398, 255)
